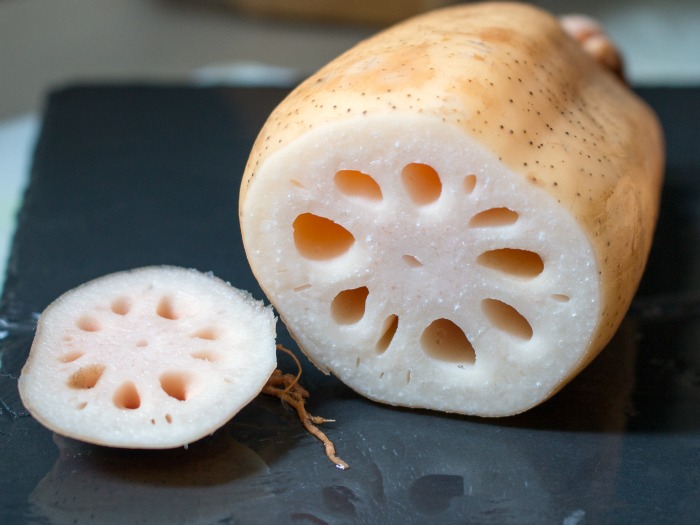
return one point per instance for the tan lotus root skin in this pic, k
(156, 357)
(456, 213)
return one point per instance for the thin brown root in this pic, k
(286, 387)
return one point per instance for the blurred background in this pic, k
(47, 44)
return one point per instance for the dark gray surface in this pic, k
(126, 176)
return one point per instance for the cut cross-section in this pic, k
(519, 186)
(433, 267)
(165, 356)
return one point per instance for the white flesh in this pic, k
(151, 358)
(521, 324)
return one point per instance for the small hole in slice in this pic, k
(422, 183)
(494, 218)
(81, 406)
(127, 397)
(177, 384)
(411, 261)
(87, 323)
(121, 305)
(319, 239)
(517, 263)
(209, 333)
(389, 327)
(205, 355)
(177, 305)
(141, 343)
(560, 297)
(354, 183)
(469, 184)
(71, 356)
(86, 377)
(166, 309)
(348, 306)
(445, 341)
(506, 318)
(168, 418)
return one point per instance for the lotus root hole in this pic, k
(348, 306)
(411, 261)
(389, 327)
(469, 184)
(71, 356)
(209, 333)
(494, 218)
(422, 183)
(205, 355)
(166, 309)
(86, 377)
(87, 323)
(354, 183)
(177, 384)
(318, 238)
(177, 306)
(506, 318)
(445, 341)
(121, 305)
(127, 396)
(561, 298)
(514, 262)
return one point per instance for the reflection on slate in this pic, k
(126, 176)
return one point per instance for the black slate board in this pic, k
(127, 176)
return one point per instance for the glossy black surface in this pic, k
(126, 176)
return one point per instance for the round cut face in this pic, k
(156, 357)
(410, 262)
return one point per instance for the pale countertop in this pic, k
(48, 44)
